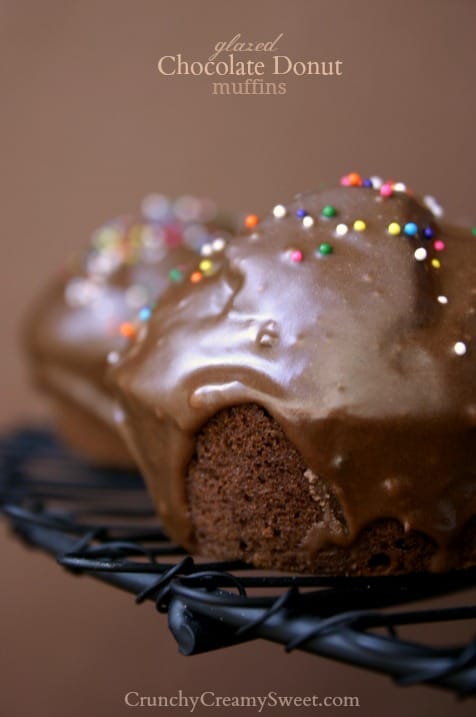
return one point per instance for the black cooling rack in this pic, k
(101, 523)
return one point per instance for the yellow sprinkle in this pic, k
(135, 234)
(206, 266)
(436, 263)
(394, 228)
(106, 237)
(360, 225)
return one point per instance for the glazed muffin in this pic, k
(311, 405)
(87, 313)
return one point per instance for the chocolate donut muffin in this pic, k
(87, 314)
(311, 406)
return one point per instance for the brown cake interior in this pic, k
(252, 497)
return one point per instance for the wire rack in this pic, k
(100, 523)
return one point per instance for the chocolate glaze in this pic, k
(352, 353)
(75, 324)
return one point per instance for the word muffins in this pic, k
(89, 311)
(310, 404)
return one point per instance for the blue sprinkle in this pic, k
(428, 233)
(145, 313)
(410, 229)
(367, 183)
(301, 213)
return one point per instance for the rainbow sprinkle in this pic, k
(325, 249)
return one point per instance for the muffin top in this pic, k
(349, 314)
(87, 313)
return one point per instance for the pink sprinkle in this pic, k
(386, 190)
(345, 181)
(439, 245)
(173, 236)
(296, 255)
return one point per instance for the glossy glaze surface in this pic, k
(363, 353)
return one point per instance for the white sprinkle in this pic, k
(433, 206)
(376, 182)
(218, 244)
(420, 254)
(136, 296)
(206, 250)
(399, 187)
(81, 292)
(119, 415)
(153, 253)
(341, 230)
(279, 211)
(103, 263)
(156, 207)
(460, 348)
(113, 357)
(307, 222)
(443, 299)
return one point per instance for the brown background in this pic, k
(88, 128)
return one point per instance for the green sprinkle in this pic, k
(329, 211)
(473, 231)
(325, 249)
(175, 275)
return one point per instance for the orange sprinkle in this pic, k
(196, 276)
(251, 221)
(354, 179)
(128, 330)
